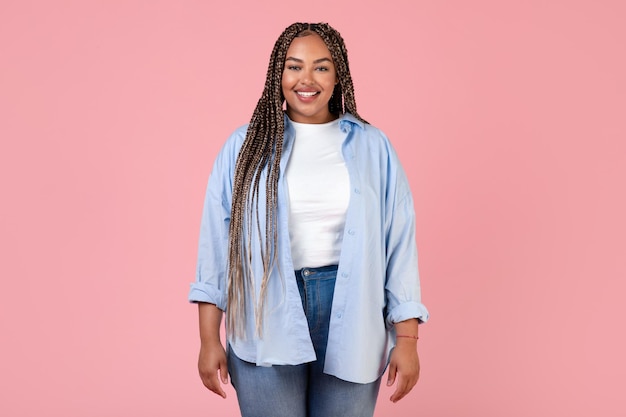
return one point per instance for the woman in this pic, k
(308, 243)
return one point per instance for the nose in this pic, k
(306, 77)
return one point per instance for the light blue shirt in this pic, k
(377, 281)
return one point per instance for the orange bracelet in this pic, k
(410, 337)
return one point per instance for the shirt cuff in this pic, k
(201, 292)
(405, 311)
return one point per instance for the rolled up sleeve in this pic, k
(210, 285)
(402, 287)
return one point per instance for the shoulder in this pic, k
(375, 134)
(237, 137)
(234, 142)
(367, 136)
(227, 156)
(350, 123)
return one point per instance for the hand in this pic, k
(212, 359)
(405, 362)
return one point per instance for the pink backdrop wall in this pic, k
(508, 115)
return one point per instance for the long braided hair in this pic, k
(261, 151)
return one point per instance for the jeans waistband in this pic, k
(310, 273)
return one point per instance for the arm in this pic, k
(403, 294)
(212, 357)
(210, 287)
(404, 359)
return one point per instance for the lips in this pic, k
(307, 93)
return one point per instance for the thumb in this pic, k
(391, 377)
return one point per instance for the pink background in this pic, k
(508, 115)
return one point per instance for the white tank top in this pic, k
(319, 193)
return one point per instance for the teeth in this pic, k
(307, 93)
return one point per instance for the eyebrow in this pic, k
(317, 61)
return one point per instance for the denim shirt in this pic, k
(377, 281)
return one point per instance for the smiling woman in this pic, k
(309, 80)
(319, 280)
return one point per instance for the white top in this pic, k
(319, 192)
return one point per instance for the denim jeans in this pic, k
(303, 390)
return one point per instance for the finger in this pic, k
(401, 390)
(217, 388)
(213, 384)
(397, 395)
(224, 372)
(405, 385)
(220, 392)
(391, 377)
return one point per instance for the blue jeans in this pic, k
(303, 390)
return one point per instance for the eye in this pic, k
(293, 67)
(322, 69)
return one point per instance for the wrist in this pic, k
(210, 343)
(406, 340)
(407, 336)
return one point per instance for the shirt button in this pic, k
(357, 191)
(338, 315)
(351, 232)
(344, 274)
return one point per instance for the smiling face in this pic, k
(308, 81)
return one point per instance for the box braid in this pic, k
(262, 150)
